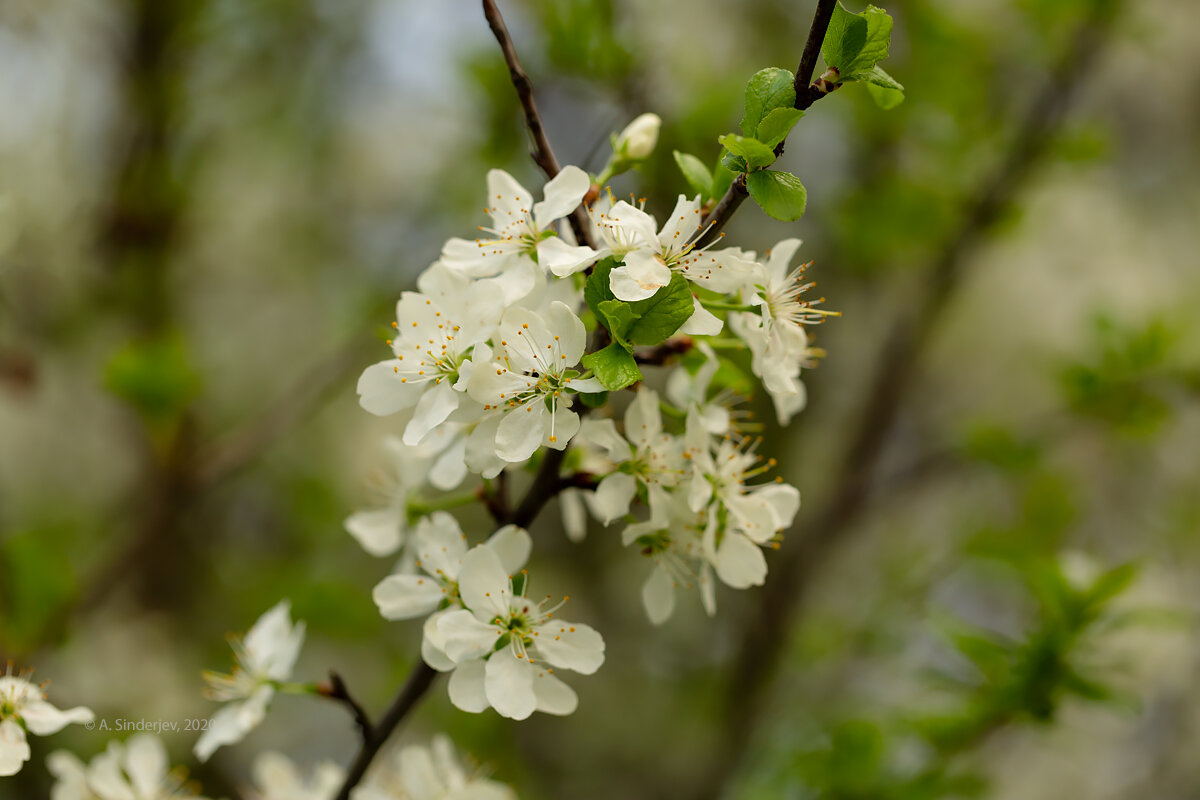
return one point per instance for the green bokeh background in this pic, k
(207, 211)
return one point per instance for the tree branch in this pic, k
(765, 635)
(543, 154)
(419, 681)
(807, 93)
(336, 689)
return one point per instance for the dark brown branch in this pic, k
(336, 689)
(765, 635)
(419, 681)
(665, 352)
(807, 93)
(543, 154)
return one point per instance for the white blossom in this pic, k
(506, 646)
(673, 538)
(429, 773)
(432, 347)
(137, 769)
(741, 518)
(777, 338)
(522, 231)
(262, 661)
(529, 381)
(649, 268)
(440, 547)
(24, 709)
(381, 531)
(277, 778)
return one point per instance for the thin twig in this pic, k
(764, 636)
(419, 681)
(336, 689)
(807, 93)
(543, 154)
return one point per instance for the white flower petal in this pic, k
(466, 638)
(522, 431)
(467, 687)
(574, 514)
(483, 583)
(378, 531)
(702, 322)
(383, 391)
(554, 696)
(658, 596)
(432, 643)
(14, 750)
(407, 596)
(563, 195)
(512, 546)
(612, 497)
(572, 646)
(43, 719)
(146, 764)
(563, 259)
(441, 544)
(739, 562)
(436, 404)
(508, 681)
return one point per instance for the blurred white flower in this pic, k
(23, 708)
(262, 661)
(429, 773)
(277, 778)
(136, 770)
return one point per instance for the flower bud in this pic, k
(637, 141)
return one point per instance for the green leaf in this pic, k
(596, 290)
(618, 316)
(767, 90)
(722, 180)
(613, 366)
(663, 314)
(877, 77)
(733, 163)
(855, 43)
(154, 376)
(593, 399)
(756, 154)
(887, 99)
(695, 173)
(780, 194)
(776, 125)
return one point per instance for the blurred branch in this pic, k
(765, 635)
(807, 93)
(309, 394)
(336, 689)
(543, 154)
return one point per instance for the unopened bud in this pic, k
(638, 139)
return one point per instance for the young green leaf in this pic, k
(855, 43)
(776, 125)
(781, 194)
(695, 173)
(658, 317)
(756, 154)
(722, 180)
(617, 317)
(767, 90)
(613, 366)
(597, 290)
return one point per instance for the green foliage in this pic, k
(698, 176)
(854, 45)
(36, 585)
(767, 90)
(754, 153)
(1128, 380)
(642, 322)
(776, 125)
(781, 194)
(614, 366)
(154, 376)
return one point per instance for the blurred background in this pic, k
(208, 210)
